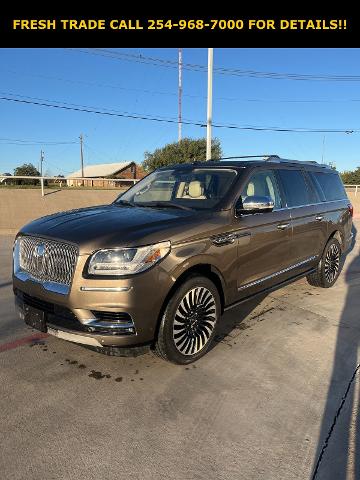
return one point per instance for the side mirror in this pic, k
(255, 204)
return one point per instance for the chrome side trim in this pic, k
(54, 287)
(280, 272)
(304, 205)
(72, 337)
(110, 325)
(105, 289)
(309, 205)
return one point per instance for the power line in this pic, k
(173, 94)
(98, 153)
(16, 141)
(219, 70)
(99, 111)
(56, 167)
(82, 106)
(95, 84)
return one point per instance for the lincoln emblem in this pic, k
(39, 250)
(39, 256)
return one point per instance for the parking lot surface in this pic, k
(276, 398)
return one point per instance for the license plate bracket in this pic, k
(35, 318)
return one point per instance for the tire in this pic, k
(189, 321)
(328, 269)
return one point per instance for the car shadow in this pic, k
(52, 191)
(233, 320)
(340, 421)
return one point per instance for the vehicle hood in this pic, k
(108, 226)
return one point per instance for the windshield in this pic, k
(180, 188)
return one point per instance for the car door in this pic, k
(307, 230)
(332, 206)
(263, 238)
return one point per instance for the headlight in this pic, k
(127, 261)
(16, 255)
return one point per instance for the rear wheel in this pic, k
(328, 268)
(188, 323)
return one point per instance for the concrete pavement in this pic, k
(278, 392)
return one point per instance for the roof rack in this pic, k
(301, 162)
(241, 157)
(277, 159)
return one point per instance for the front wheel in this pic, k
(328, 269)
(189, 320)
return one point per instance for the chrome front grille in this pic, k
(47, 260)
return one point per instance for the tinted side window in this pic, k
(262, 183)
(295, 187)
(330, 185)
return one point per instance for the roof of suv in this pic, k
(253, 160)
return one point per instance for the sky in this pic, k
(122, 82)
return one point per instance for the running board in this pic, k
(270, 289)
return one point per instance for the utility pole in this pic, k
(180, 93)
(323, 150)
(82, 158)
(209, 103)
(41, 162)
(41, 173)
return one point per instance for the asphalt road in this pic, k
(278, 392)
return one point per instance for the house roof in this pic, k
(101, 170)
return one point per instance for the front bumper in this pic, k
(101, 313)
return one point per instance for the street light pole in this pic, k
(41, 162)
(82, 158)
(209, 103)
(180, 94)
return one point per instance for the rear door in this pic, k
(307, 231)
(332, 211)
(263, 238)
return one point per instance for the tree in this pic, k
(185, 151)
(27, 170)
(351, 177)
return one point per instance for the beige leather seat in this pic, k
(250, 189)
(195, 191)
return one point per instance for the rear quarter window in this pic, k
(329, 185)
(296, 189)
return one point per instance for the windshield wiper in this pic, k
(127, 203)
(163, 205)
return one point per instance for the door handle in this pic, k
(319, 218)
(282, 226)
(225, 239)
(228, 238)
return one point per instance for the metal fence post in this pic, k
(42, 186)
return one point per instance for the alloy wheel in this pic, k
(194, 321)
(332, 263)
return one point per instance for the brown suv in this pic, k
(159, 265)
